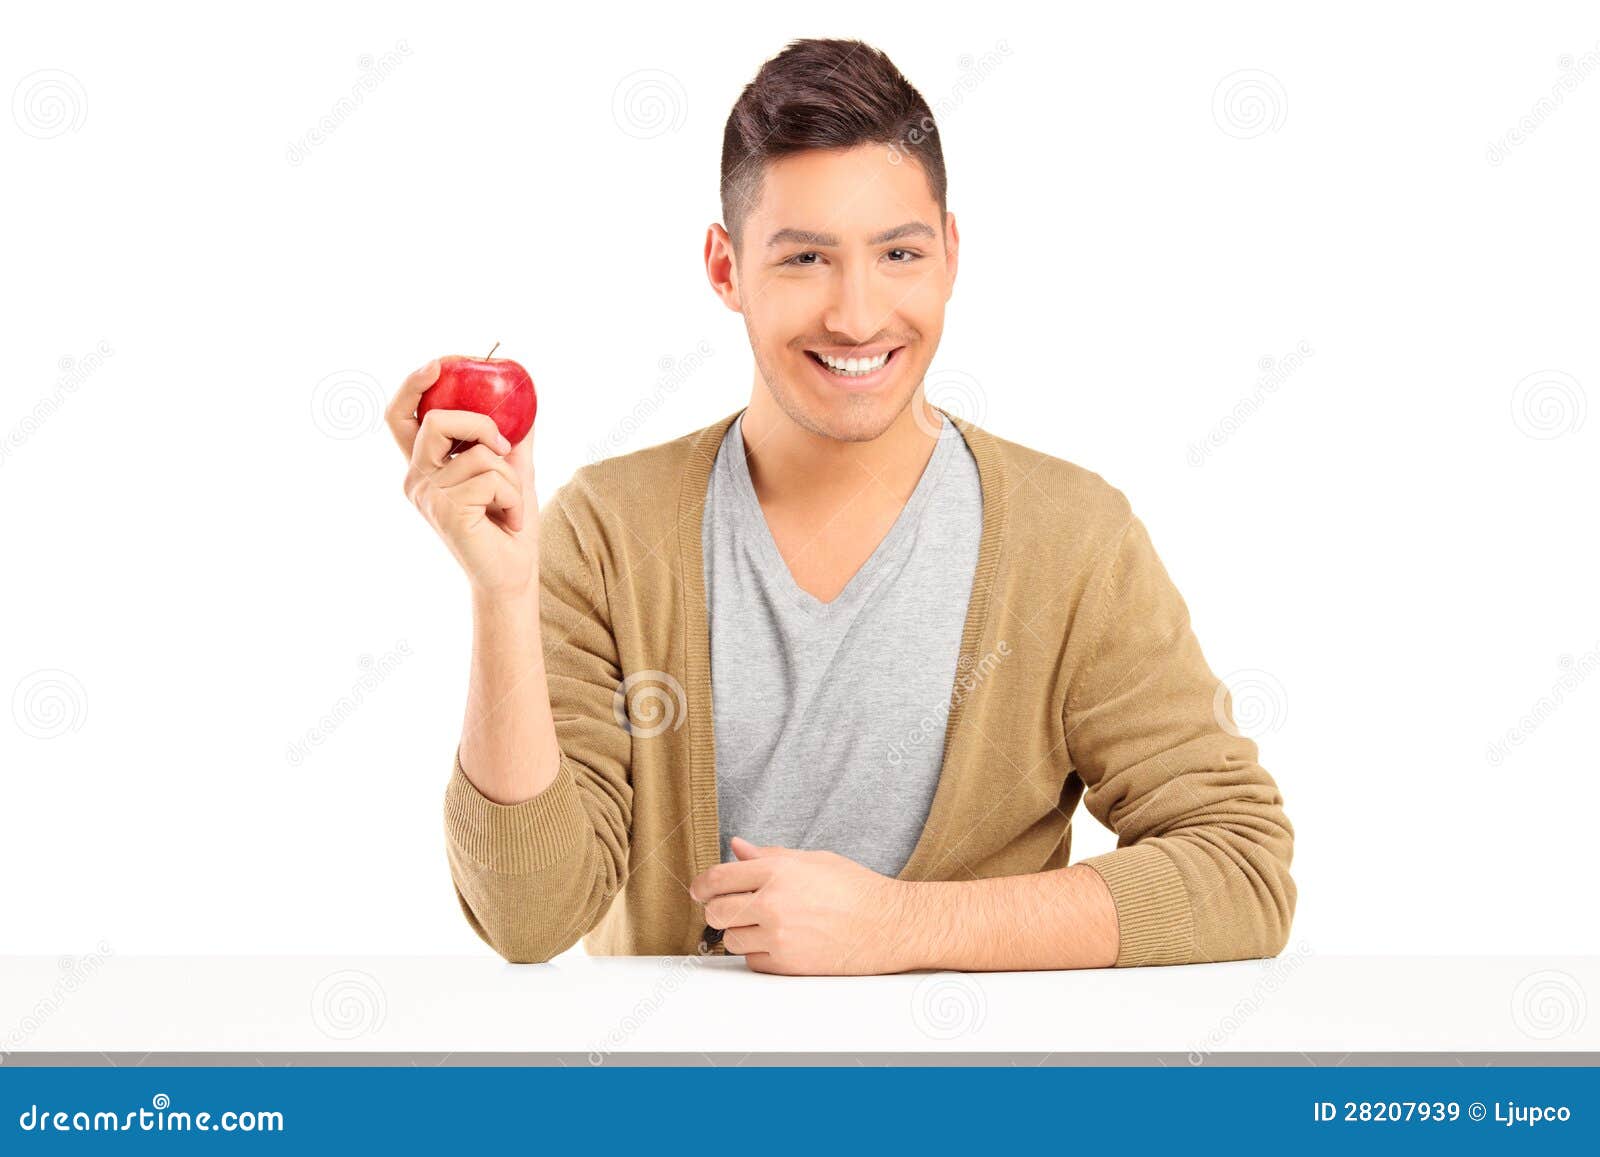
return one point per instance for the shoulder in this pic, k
(643, 487)
(1050, 498)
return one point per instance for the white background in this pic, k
(1392, 559)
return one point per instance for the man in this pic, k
(821, 684)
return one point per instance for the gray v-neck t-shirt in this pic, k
(830, 717)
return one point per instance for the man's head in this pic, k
(836, 241)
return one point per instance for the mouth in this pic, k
(856, 373)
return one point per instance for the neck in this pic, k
(791, 464)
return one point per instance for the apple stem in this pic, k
(490, 354)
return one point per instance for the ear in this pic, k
(722, 267)
(952, 253)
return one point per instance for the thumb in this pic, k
(745, 850)
(520, 458)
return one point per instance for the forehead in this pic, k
(861, 189)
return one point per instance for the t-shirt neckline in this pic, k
(891, 545)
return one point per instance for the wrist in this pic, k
(920, 923)
(519, 600)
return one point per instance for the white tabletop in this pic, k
(1301, 1002)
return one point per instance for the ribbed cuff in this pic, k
(1155, 924)
(515, 838)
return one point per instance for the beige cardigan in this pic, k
(1079, 676)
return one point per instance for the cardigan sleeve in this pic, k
(1201, 868)
(534, 877)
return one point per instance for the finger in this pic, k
(470, 463)
(479, 460)
(521, 457)
(490, 490)
(742, 941)
(440, 430)
(511, 515)
(733, 876)
(735, 911)
(402, 412)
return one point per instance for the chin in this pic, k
(817, 404)
(854, 418)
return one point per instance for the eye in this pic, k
(911, 255)
(795, 260)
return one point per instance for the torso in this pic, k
(824, 559)
(834, 647)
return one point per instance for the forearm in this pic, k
(508, 739)
(1044, 920)
(538, 832)
(533, 872)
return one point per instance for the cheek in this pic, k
(922, 305)
(783, 314)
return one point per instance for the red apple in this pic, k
(498, 387)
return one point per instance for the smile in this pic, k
(855, 372)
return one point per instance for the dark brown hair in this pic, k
(823, 94)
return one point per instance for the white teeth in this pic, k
(854, 367)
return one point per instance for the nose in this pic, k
(856, 311)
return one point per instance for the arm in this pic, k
(1201, 868)
(1201, 871)
(818, 913)
(537, 833)
(1059, 919)
(508, 700)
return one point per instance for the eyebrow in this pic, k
(809, 237)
